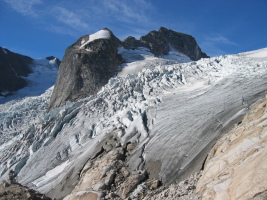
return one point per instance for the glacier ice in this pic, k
(173, 111)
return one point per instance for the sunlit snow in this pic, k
(42, 78)
(102, 34)
(138, 59)
(261, 53)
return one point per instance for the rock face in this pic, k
(132, 43)
(159, 43)
(236, 166)
(87, 65)
(12, 67)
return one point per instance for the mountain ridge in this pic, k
(13, 67)
(158, 42)
(17, 69)
(92, 60)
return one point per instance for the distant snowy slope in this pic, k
(25, 106)
(140, 58)
(172, 111)
(43, 76)
(261, 53)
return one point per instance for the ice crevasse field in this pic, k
(171, 107)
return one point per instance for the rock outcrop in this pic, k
(106, 174)
(16, 191)
(87, 65)
(159, 43)
(13, 66)
(132, 43)
(236, 166)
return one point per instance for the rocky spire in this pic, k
(87, 65)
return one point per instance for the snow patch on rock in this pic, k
(102, 34)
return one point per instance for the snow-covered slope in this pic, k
(43, 77)
(173, 112)
(25, 106)
(141, 57)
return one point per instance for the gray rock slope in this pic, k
(85, 68)
(13, 67)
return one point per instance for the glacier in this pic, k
(174, 112)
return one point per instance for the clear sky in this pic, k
(41, 28)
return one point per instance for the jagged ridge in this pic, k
(90, 62)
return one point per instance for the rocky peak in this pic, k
(56, 60)
(159, 43)
(132, 43)
(13, 66)
(87, 65)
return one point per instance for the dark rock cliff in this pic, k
(158, 42)
(85, 68)
(12, 67)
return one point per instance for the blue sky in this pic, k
(40, 28)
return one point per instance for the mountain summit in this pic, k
(87, 65)
(159, 43)
(92, 60)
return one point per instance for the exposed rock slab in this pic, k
(236, 166)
